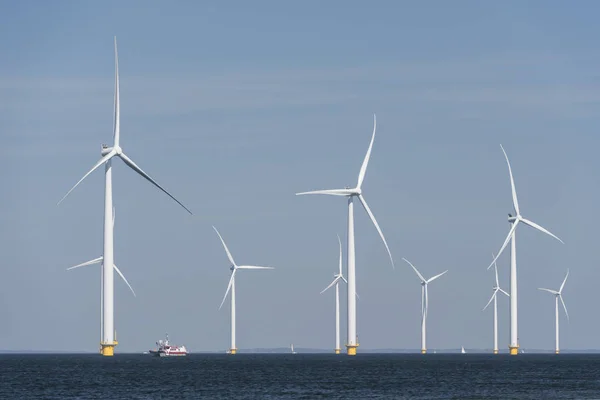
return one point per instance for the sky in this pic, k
(234, 107)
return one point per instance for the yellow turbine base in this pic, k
(514, 350)
(557, 352)
(495, 351)
(232, 351)
(108, 349)
(423, 351)
(337, 351)
(351, 349)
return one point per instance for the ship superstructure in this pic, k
(165, 349)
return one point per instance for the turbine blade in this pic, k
(554, 292)
(491, 298)
(253, 267)
(344, 279)
(363, 168)
(508, 237)
(564, 306)
(504, 292)
(437, 276)
(416, 270)
(563, 284)
(368, 210)
(137, 169)
(539, 228)
(228, 287)
(91, 262)
(225, 246)
(512, 184)
(331, 192)
(330, 285)
(125, 279)
(340, 242)
(99, 163)
(117, 116)
(357, 296)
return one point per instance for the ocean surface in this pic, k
(300, 376)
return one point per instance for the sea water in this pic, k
(301, 376)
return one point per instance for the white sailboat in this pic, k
(462, 350)
(292, 347)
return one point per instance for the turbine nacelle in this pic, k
(117, 150)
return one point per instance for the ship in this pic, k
(165, 349)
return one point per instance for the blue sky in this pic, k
(234, 107)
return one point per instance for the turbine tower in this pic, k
(424, 304)
(514, 221)
(558, 295)
(231, 286)
(336, 281)
(108, 341)
(495, 298)
(352, 341)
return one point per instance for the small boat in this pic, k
(292, 347)
(462, 350)
(165, 349)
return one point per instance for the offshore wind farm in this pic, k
(439, 161)
(106, 260)
(107, 326)
(245, 145)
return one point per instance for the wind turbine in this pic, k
(424, 304)
(108, 341)
(557, 295)
(231, 286)
(495, 298)
(99, 261)
(352, 342)
(514, 221)
(336, 281)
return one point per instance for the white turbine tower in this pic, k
(231, 286)
(495, 298)
(514, 221)
(108, 339)
(557, 295)
(424, 304)
(336, 281)
(352, 342)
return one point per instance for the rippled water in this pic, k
(301, 376)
